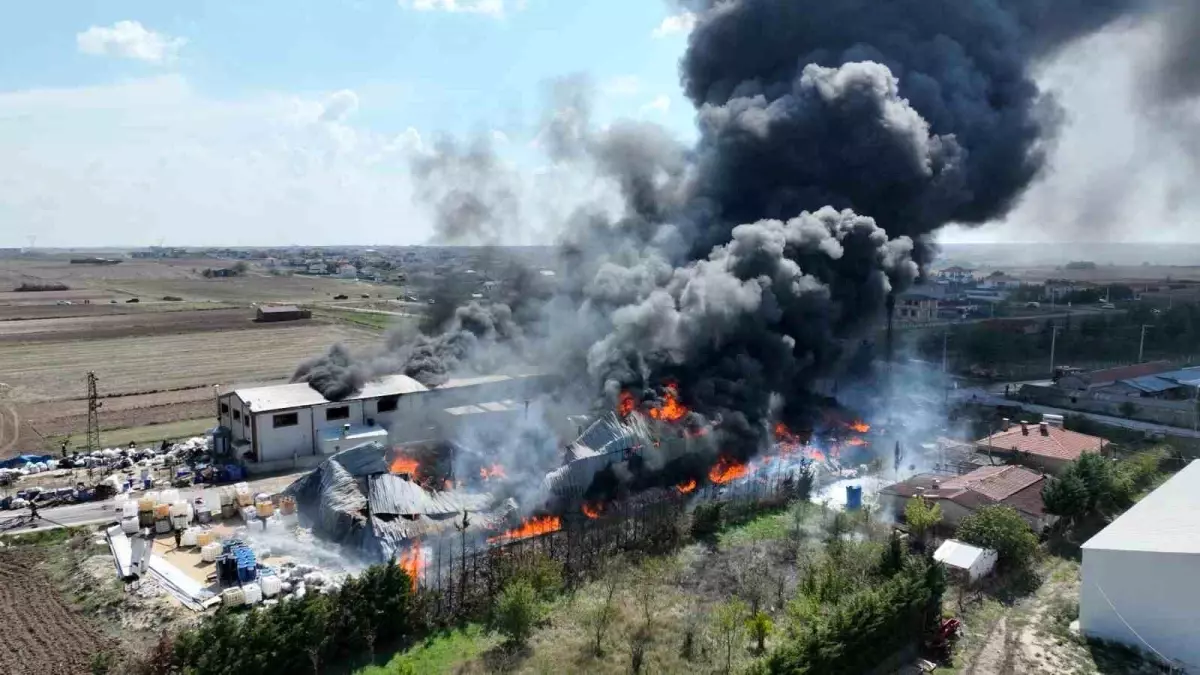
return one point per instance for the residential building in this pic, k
(960, 496)
(1139, 575)
(1043, 446)
(999, 282)
(317, 268)
(956, 275)
(919, 304)
(347, 271)
(969, 563)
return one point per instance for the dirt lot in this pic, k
(156, 360)
(143, 324)
(42, 635)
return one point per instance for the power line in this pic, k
(93, 420)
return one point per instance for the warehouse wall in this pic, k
(1152, 593)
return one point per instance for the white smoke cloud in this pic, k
(675, 24)
(495, 8)
(339, 106)
(660, 104)
(130, 40)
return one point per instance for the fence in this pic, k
(459, 578)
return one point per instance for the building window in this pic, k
(224, 408)
(237, 414)
(388, 403)
(339, 413)
(287, 420)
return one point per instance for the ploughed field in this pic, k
(42, 635)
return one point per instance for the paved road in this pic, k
(986, 398)
(96, 513)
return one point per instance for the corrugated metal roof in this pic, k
(300, 395)
(482, 408)
(363, 460)
(1167, 520)
(388, 494)
(1152, 384)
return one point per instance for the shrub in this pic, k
(39, 286)
(760, 626)
(517, 612)
(1003, 530)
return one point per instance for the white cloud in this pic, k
(499, 137)
(494, 8)
(623, 85)
(152, 158)
(660, 104)
(675, 24)
(339, 106)
(130, 40)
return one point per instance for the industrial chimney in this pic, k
(1005, 424)
(1045, 428)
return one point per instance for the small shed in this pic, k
(282, 313)
(962, 558)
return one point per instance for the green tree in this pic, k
(1097, 476)
(922, 516)
(1002, 529)
(1066, 497)
(760, 626)
(517, 612)
(728, 624)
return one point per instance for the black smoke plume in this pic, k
(835, 138)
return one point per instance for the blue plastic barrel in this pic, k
(853, 497)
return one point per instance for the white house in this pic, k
(1139, 575)
(347, 271)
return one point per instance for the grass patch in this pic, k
(441, 653)
(372, 320)
(152, 433)
(978, 619)
(52, 537)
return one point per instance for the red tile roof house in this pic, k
(960, 496)
(1045, 447)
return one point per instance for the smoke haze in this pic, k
(835, 138)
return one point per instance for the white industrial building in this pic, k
(293, 424)
(1140, 575)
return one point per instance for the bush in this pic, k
(543, 573)
(39, 286)
(862, 629)
(302, 635)
(1003, 530)
(517, 612)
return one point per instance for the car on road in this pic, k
(1108, 305)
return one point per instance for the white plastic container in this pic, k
(179, 523)
(152, 495)
(129, 525)
(209, 552)
(271, 586)
(233, 597)
(169, 496)
(253, 593)
(129, 509)
(189, 537)
(178, 508)
(249, 513)
(162, 526)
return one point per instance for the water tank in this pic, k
(252, 593)
(853, 497)
(271, 586)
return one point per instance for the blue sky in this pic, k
(258, 122)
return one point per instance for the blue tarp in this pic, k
(22, 460)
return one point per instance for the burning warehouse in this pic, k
(378, 501)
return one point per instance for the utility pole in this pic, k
(93, 420)
(1142, 343)
(1053, 344)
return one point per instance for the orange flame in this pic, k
(593, 511)
(859, 426)
(727, 469)
(856, 441)
(404, 465)
(671, 410)
(625, 404)
(531, 527)
(412, 561)
(815, 454)
(686, 486)
(493, 471)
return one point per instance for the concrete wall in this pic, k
(1173, 413)
(285, 442)
(1154, 594)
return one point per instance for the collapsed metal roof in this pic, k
(398, 496)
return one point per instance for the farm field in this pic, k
(43, 634)
(157, 361)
